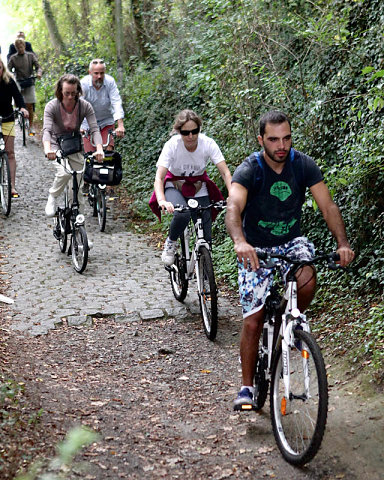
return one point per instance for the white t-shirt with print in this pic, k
(182, 163)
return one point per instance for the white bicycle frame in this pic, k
(290, 319)
(191, 260)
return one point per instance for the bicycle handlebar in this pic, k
(268, 262)
(111, 133)
(185, 208)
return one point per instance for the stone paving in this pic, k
(124, 276)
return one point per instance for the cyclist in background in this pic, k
(24, 64)
(181, 175)
(264, 210)
(12, 48)
(9, 92)
(101, 91)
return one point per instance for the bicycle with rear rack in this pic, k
(97, 191)
(193, 259)
(69, 221)
(5, 174)
(23, 124)
(291, 365)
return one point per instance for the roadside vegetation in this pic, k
(231, 60)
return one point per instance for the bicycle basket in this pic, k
(109, 172)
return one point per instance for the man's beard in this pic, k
(274, 158)
(98, 83)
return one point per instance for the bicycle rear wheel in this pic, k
(207, 292)
(299, 421)
(5, 184)
(61, 230)
(101, 209)
(177, 273)
(79, 248)
(21, 122)
(261, 383)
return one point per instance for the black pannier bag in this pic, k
(110, 172)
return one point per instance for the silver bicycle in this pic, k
(291, 363)
(193, 259)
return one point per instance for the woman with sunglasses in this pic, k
(181, 175)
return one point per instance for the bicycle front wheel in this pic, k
(101, 209)
(5, 184)
(207, 292)
(299, 421)
(79, 248)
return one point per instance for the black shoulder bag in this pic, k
(70, 143)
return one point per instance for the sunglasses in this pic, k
(185, 133)
(95, 62)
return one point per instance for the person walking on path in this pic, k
(101, 91)
(264, 210)
(12, 49)
(24, 64)
(181, 175)
(64, 115)
(9, 92)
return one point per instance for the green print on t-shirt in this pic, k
(281, 190)
(278, 228)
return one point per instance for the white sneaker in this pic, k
(168, 255)
(50, 208)
(90, 245)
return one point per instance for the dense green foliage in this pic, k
(231, 60)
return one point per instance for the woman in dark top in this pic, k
(9, 91)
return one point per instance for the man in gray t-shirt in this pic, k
(264, 210)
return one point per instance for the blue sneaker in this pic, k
(244, 401)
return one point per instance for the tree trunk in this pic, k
(119, 41)
(139, 27)
(72, 17)
(85, 13)
(56, 40)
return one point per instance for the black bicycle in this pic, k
(196, 260)
(69, 221)
(291, 363)
(97, 196)
(5, 174)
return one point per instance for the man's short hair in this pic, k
(19, 41)
(273, 116)
(96, 61)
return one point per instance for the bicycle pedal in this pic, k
(245, 407)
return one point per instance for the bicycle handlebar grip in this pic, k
(335, 257)
(262, 255)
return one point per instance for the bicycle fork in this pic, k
(293, 319)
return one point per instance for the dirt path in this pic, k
(112, 350)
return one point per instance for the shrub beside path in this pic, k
(113, 350)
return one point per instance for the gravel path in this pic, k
(112, 349)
